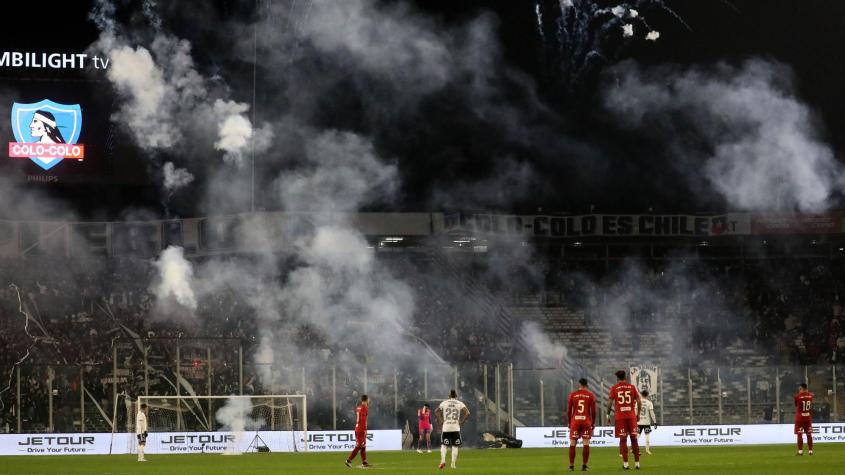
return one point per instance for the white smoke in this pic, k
(342, 289)
(175, 178)
(236, 417)
(168, 105)
(174, 287)
(235, 130)
(149, 9)
(389, 41)
(147, 108)
(236, 133)
(664, 304)
(545, 350)
(343, 172)
(741, 128)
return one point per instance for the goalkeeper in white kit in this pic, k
(141, 430)
(647, 420)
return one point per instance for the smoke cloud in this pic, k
(168, 105)
(236, 417)
(175, 178)
(174, 288)
(546, 351)
(342, 172)
(135, 75)
(739, 128)
(392, 43)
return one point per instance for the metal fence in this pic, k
(712, 395)
(92, 398)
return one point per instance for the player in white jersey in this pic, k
(647, 420)
(141, 430)
(451, 415)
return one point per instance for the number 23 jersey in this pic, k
(451, 410)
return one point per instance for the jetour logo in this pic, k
(46, 132)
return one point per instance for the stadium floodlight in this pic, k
(228, 425)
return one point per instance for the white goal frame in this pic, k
(132, 407)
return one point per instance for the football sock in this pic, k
(647, 441)
(800, 442)
(635, 446)
(140, 452)
(353, 454)
(585, 454)
(364, 454)
(810, 441)
(454, 455)
(428, 444)
(623, 448)
(572, 454)
(443, 454)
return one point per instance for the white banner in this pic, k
(344, 441)
(57, 444)
(276, 441)
(573, 226)
(696, 435)
(645, 378)
(192, 442)
(209, 442)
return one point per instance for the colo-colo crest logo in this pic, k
(46, 132)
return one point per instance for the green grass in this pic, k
(781, 459)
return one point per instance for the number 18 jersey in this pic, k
(625, 395)
(804, 407)
(451, 410)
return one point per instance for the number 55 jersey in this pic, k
(625, 396)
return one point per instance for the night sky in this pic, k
(443, 146)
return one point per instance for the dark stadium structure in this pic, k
(317, 200)
(763, 312)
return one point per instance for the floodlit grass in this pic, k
(781, 459)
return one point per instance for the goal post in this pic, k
(221, 424)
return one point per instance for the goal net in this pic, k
(221, 424)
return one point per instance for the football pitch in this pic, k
(781, 459)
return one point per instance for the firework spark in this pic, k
(590, 36)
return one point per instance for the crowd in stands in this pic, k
(788, 309)
(75, 317)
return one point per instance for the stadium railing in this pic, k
(86, 398)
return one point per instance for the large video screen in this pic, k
(57, 106)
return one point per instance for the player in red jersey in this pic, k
(626, 398)
(804, 418)
(424, 419)
(360, 433)
(581, 410)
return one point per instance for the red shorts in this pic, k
(360, 438)
(425, 429)
(626, 427)
(581, 429)
(803, 427)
